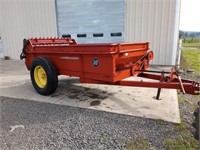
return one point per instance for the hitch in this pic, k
(170, 81)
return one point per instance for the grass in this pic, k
(185, 101)
(138, 144)
(191, 44)
(190, 59)
(161, 122)
(183, 142)
(192, 103)
(181, 127)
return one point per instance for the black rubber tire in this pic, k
(51, 73)
(196, 122)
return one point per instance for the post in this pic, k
(158, 94)
(159, 89)
(179, 53)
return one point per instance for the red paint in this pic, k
(106, 63)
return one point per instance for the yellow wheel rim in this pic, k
(40, 76)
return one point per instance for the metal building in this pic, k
(21, 19)
(155, 21)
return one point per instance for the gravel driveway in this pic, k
(34, 125)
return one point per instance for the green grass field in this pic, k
(190, 59)
(191, 44)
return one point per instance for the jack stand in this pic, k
(158, 94)
(159, 89)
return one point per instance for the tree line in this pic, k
(189, 37)
(189, 34)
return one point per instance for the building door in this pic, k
(91, 21)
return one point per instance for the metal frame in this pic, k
(118, 61)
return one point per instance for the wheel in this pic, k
(43, 76)
(196, 122)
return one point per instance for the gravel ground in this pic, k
(49, 126)
(188, 103)
(35, 125)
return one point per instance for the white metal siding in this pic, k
(1, 49)
(91, 16)
(155, 21)
(23, 19)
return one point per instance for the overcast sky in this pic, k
(190, 15)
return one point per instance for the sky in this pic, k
(190, 15)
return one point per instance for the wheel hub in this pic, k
(40, 76)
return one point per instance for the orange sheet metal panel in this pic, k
(101, 62)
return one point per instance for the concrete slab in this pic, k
(15, 82)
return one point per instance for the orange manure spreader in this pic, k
(105, 63)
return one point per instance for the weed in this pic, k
(138, 144)
(181, 126)
(182, 142)
(161, 122)
(184, 101)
